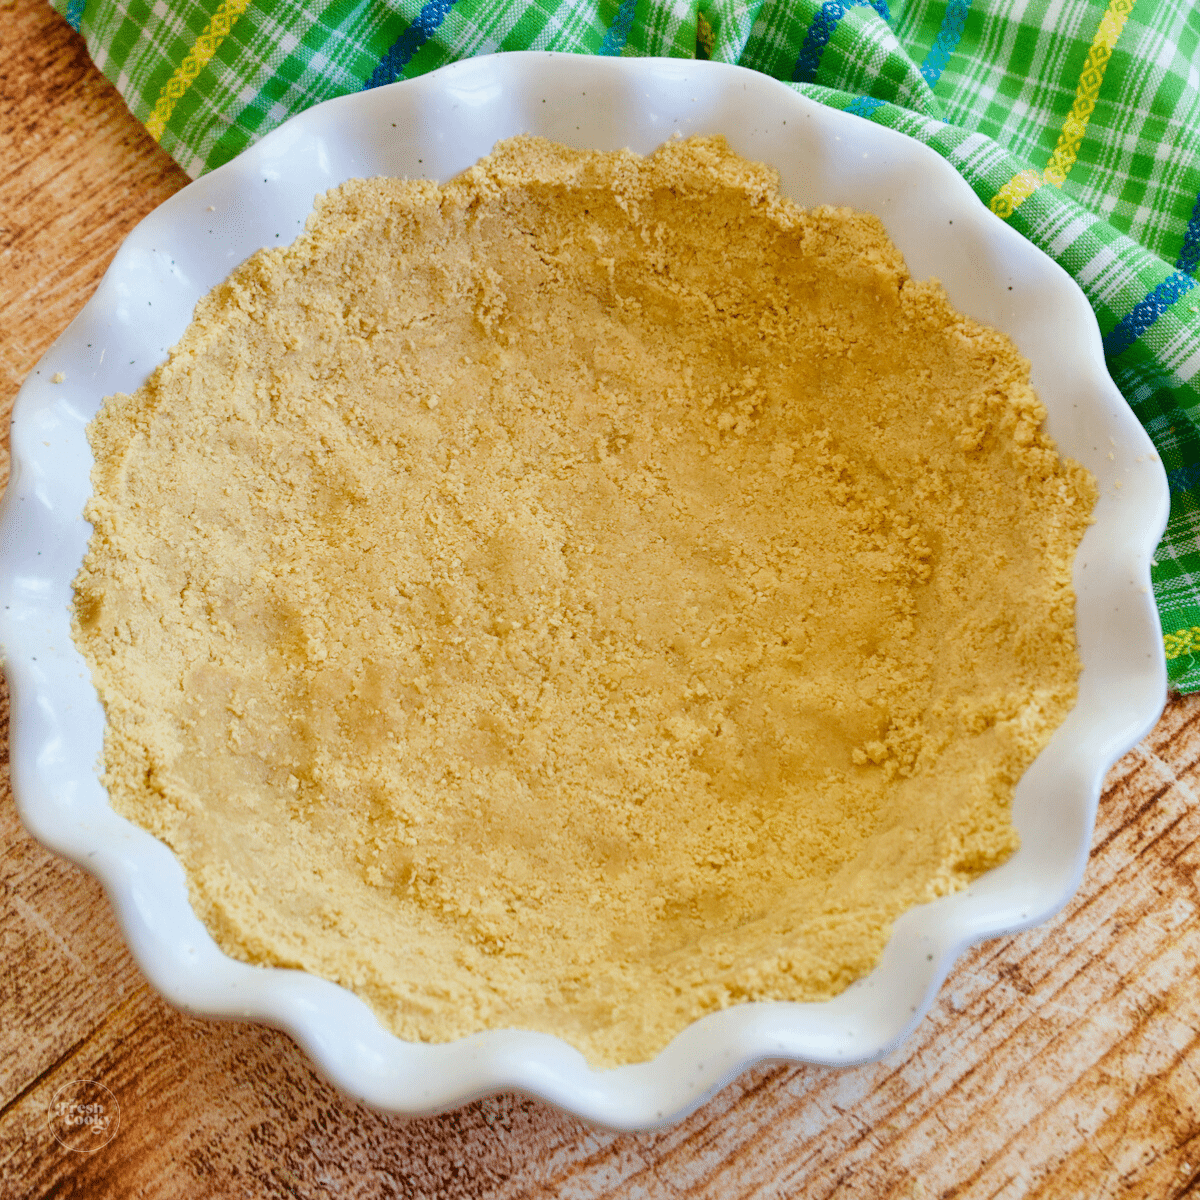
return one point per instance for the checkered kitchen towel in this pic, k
(1078, 121)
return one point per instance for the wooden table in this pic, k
(1063, 1062)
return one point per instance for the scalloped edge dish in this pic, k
(435, 126)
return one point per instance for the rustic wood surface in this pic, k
(1063, 1062)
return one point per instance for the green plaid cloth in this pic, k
(1078, 121)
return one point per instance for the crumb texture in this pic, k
(578, 597)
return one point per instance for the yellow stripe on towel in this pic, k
(1022, 185)
(1182, 641)
(185, 74)
(1015, 192)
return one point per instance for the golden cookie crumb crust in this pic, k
(578, 597)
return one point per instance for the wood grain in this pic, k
(1062, 1062)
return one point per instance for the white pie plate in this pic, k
(435, 126)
